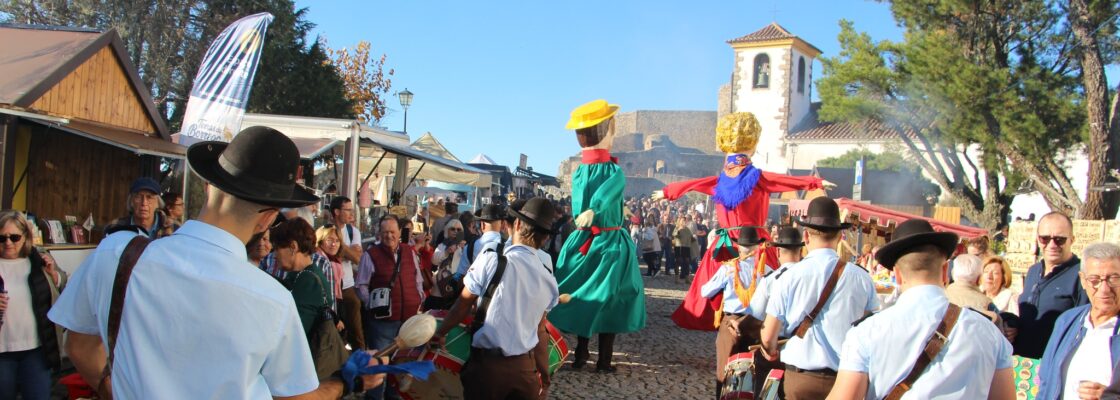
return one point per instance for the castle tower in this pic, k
(772, 79)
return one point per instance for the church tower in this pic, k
(772, 79)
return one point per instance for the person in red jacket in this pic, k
(741, 193)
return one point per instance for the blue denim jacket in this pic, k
(1043, 300)
(1068, 332)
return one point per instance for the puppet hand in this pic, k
(658, 195)
(585, 218)
(626, 213)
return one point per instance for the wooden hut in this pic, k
(77, 125)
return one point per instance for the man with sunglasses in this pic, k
(1050, 288)
(1083, 351)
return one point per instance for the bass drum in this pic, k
(738, 377)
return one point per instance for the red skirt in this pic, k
(698, 313)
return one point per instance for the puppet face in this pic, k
(738, 133)
(600, 136)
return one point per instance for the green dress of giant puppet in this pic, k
(598, 265)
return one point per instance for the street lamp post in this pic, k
(406, 100)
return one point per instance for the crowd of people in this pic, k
(815, 315)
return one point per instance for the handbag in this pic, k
(380, 299)
(328, 350)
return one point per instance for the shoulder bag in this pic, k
(380, 299)
(491, 287)
(933, 346)
(127, 262)
(328, 350)
(806, 323)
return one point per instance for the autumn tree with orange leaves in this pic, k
(365, 80)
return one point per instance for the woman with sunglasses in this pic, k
(29, 347)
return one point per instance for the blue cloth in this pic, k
(1043, 300)
(486, 241)
(793, 296)
(885, 346)
(731, 191)
(379, 335)
(200, 321)
(722, 281)
(358, 364)
(25, 372)
(1068, 331)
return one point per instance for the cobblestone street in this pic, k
(660, 362)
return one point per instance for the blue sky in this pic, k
(501, 77)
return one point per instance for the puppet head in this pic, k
(738, 133)
(594, 124)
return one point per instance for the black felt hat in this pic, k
(911, 234)
(788, 238)
(491, 212)
(823, 214)
(538, 212)
(748, 236)
(258, 165)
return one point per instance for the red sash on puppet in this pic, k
(738, 203)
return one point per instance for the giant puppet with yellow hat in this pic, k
(598, 265)
(741, 193)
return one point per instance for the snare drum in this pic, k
(738, 377)
(444, 382)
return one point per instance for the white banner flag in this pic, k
(221, 88)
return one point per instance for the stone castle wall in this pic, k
(695, 129)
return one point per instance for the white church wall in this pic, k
(764, 103)
(799, 102)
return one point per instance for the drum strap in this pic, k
(127, 262)
(936, 341)
(806, 323)
(491, 287)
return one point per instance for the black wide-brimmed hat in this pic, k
(258, 165)
(823, 214)
(911, 234)
(788, 238)
(538, 212)
(491, 212)
(748, 236)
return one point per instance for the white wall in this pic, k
(808, 154)
(800, 102)
(765, 103)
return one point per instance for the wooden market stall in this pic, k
(77, 125)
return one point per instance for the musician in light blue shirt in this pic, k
(789, 244)
(881, 352)
(736, 331)
(812, 358)
(492, 218)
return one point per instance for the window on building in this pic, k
(801, 75)
(761, 71)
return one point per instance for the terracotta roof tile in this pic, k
(811, 128)
(770, 32)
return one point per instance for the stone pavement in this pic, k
(662, 361)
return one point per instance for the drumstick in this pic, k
(759, 346)
(414, 332)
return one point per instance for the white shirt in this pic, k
(19, 331)
(1092, 361)
(886, 345)
(351, 236)
(793, 296)
(526, 292)
(199, 321)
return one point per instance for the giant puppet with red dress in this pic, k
(741, 193)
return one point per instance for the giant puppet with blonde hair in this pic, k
(598, 265)
(741, 193)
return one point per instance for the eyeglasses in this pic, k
(1058, 240)
(1095, 281)
(14, 238)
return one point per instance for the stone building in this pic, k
(657, 147)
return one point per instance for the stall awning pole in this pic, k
(375, 165)
(352, 162)
(414, 176)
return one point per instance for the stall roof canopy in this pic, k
(445, 171)
(430, 145)
(34, 59)
(311, 148)
(888, 217)
(140, 144)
